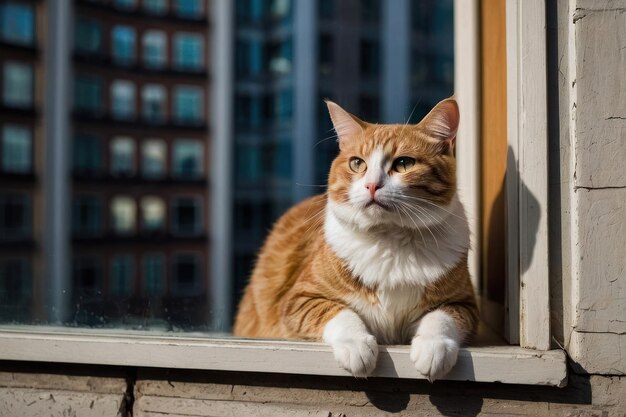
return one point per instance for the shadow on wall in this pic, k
(495, 258)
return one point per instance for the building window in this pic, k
(157, 7)
(188, 105)
(283, 105)
(154, 49)
(186, 213)
(154, 98)
(188, 51)
(187, 159)
(370, 10)
(123, 99)
(121, 284)
(188, 8)
(153, 156)
(153, 213)
(87, 277)
(123, 215)
(325, 54)
(123, 45)
(88, 95)
(87, 216)
(122, 156)
(326, 9)
(280, 9)
(369, 58)
(186, 274)
(87, 36)
(17, 149)
(15, 216)
(153, 274)
(17, 85)
(17, 23)
(125, 4)
(87, 155)
(280, 57)
(249, 166)
(369, 108)
(15, 282)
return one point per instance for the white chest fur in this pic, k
(392, 320)
(398, 262)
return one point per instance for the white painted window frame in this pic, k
(527, 308)
(529, 363)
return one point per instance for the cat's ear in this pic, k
(346, 125)
(443, 121)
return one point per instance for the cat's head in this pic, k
(394, 174)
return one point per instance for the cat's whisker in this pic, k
(411, 208)
(416, 226)
(428, 202)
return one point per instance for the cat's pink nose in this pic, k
(372, 187)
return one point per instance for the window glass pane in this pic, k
(188, 51)
(188, 156)
(87, 36)
(153, 155)
(122, 276)
(17, 23)
(188, 105)
(154, 49)
(188, 8)
(122, 156)
(157, 7)
(16, 149)
(125, 4)
(87, 284)
(154, 274)
(87, 216)
(15, 283)
(17, 85)
(88, 95)
(153, 213)
(123, 45)
(154, 100)
(186, 216)
(123, 99)
(123, 215)
(15, 216)
(87, 155)
(186, 272)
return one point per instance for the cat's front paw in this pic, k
(356, 354)
(434, 356)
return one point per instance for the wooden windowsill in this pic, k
(505, 364)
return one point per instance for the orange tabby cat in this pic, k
(381, 257)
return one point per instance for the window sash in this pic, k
(16, 149)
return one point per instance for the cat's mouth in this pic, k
(376, 203)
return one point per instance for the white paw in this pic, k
(356, 354)
(434, 356)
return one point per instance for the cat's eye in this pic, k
(403, 164)
(357, 164)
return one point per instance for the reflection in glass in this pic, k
(123, 45)
(153, 213)
(138, 135)
(153, 155)
(122, 156)
(17, 85)
(187, 159)
(17, 23)
(16, 149)
(154, 49)
(123, 214)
